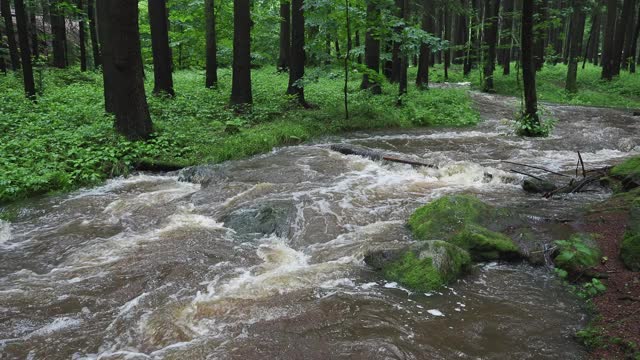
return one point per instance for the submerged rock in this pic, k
(423, 266)
(265, 219)
(467, 222)
(538, 186)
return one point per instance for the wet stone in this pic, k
(538, 187)
(265, 219)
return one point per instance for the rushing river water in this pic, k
(152, 267)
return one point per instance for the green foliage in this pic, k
(592, 337)
(65, 140)
(630, 251)
(627, 168)
(591, 289)
(577, 253)
(527, 126)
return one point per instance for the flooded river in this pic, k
(263, 258)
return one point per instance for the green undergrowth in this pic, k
(65, 140)
(621, 92)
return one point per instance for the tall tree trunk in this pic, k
(627, 54)
(241, 82)
(33, 29)
(578, 19)
(59, 30)
(609, 48)
(297, 58)
(211, 78)
(628, 11)
(357, 44)
(507, 33)
(82, 38)
(594, 35)
(461, 33)
(396, 57)
(528, 66)
(491, 35)
(371, 49)
(95, 46)
(162, 64)
(285, 35)
(25, 52)
(473, 38)
(634, 48)
(123, 51)
(107, 54)
(422, 80)
(14, 55)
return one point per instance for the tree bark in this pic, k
(404, 59)
(609, 40)
(82, 38)
(528, 65)
(3, 64)
(578, 19)
(507, 33)
(621, 27)
(634, 49)
(95, 46)
(594, 36)
(285, 35)
(491, 34)
(25, 51)
(59, 31)
(422, 80)
(123, 58)
(106, 49)
(371, 49)
(241, 83)
(297, 57)
(211, 78)
(14, 55)
(33, 29)
(162, 64)
(542, 9)
(627, 54)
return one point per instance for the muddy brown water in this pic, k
(149, 267)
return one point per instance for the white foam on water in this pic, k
(435, 312)
(118, 183)
(5, 232)
(58, 324)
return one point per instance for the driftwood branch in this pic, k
(536, 167)
(377, 155)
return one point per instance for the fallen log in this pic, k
(376, 155)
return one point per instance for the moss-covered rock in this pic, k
(423, 266)
(538, 186)
(464, 220)
(629, 173)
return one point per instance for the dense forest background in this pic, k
(207, 81)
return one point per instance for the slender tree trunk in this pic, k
(628, 11)
(59, 30)
(285, 35)
(577, 23)
(211, 78)
(241, 83)
(528, 65)
(593, 43)
(82, 38)
(122, 49)
(297, 57)
(507, 33)
(25, 51)
(491, 35)
(634, 48)
(371, 49)
(447, 36)
(422, 80)
(106, 49)
(627, 54)
(539, 43)
(33, 29)
(95, 46)
(404, 60)
(14, 55)
(608, 56)
(162, 64)
(357, 44)
(395, 53)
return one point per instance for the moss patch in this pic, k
(630, 167)
(630, 251)
(463, 220)
(428, 265)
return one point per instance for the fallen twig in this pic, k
(535, 167)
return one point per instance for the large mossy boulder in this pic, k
(629, 173)
(423, 266)
(467, 222)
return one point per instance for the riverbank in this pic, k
(614, 332)
(65, 141)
